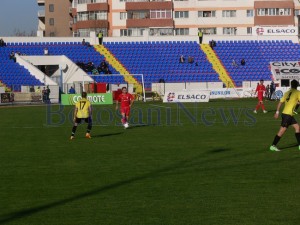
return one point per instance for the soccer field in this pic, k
(196, 164)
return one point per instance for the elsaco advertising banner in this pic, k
(95, 99)
(275, 31)
(186, 96)
(286, 70)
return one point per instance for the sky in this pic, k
(19, 15)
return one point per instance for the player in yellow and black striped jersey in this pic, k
(290, 100)
(83, 111)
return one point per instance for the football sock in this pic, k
(257, 107)
(298, 137)
(74, 130)
(263, 107)
(276, 140)
(89, 128)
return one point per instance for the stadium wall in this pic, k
(93, 40)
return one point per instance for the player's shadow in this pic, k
(137, 126)
(106, 135)
(289, 146)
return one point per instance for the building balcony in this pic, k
(103, 6)
(87, 24)
(41, 2)
(41, 13)
(146, 5)
(132, 23)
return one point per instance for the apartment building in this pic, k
(55, 18)
(182, 17)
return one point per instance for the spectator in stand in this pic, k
(95, 71)
(212, 44)
(107, 71)
(2, 43)
(46, 52)
(12, 56)
(72, 90)
(90, 66)
(234, 63)
(84, 43)
(243, 62)
(200, 35)
(190, 59)
(181, 59)
(100, 37)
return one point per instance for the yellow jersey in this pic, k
(290, 98)
(83, 108)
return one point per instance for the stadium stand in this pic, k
(159, 61)
(257, 55)
(13, 75)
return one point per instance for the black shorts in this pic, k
(87, 120)
(287, 120)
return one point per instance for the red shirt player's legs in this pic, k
(260, 103)
(125, 111)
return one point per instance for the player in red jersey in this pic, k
(260, 90)
(126, 100)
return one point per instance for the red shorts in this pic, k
(125, 110)
(260, 98)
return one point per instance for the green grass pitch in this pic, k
(205, 163)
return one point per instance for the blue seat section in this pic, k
(14, 75)
(257, 54)
(160, 60)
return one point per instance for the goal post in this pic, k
(134, 83)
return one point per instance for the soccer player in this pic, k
(260, 89)
(83, 111)
(126, 100)
(290, 99)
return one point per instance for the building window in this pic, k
(160, 14)
(51, 21)
(274, 12)
(132, 32)
(182, 14)
(161, 32)
(249, 30)
(51, 8)
(209, 31)
(249, 13)
(123, 15)
(52, 34)
(229, 13)
(206, 13)
(101, 15)
(297, 12)
(82, 16)
(138, 15)
(229, 30)
(182, 31)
